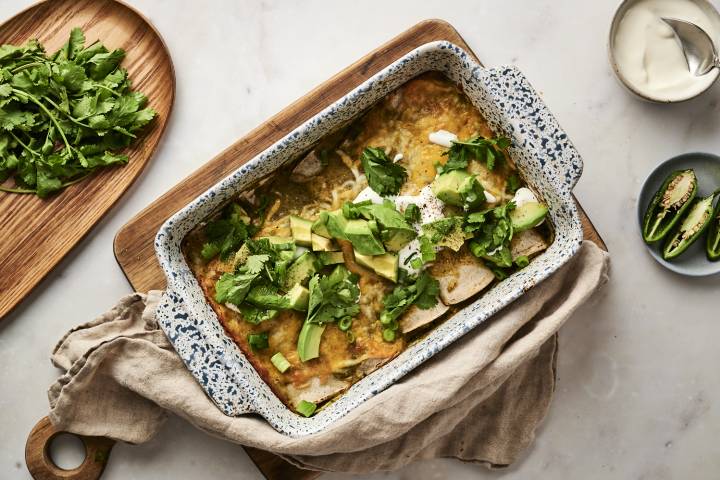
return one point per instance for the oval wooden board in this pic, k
(36, 234)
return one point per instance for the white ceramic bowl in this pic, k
(541, 150)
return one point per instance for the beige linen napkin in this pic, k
(479, 400)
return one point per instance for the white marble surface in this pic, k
(638, 393)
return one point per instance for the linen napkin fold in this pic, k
(480, 400)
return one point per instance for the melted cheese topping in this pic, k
(402, 122)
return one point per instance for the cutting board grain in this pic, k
(36, 234)
(134, 242)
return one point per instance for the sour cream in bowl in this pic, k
(647, 56)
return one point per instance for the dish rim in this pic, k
(172, 310)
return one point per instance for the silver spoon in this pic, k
(697, 46)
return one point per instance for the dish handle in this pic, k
(530, 121)
(224, 385)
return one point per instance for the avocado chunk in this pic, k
(385, 265)
(527, 215)
(335, 223)
(301, 230)
(301, 270)
(298, 297)
(447, 186)
(396, 232)
(319, 227)
(308, 346)
(359, 233)
(322, 244)
(330, 258)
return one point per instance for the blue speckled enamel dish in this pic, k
(541, 150)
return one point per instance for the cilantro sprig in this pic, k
(492, 231)
(255, 286)
(487, 150)
(383, 176)
(334, 297)
(65, 115)
(227, 233)
(421, 291)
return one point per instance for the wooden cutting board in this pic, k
(36, 234)
(134, 242)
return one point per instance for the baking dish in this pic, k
(541, 151)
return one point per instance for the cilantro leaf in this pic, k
(421, 291)
(412, 213)
(333, 297)
(513, 183)
(383, 176)
(492, 231)
(226, 234)
(487, 150)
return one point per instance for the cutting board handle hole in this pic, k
(66, 451)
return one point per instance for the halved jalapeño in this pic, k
(713, 239)
(669, 204)
(693, 225)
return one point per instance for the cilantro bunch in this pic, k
(486, 150)
(421, 291)
(65, 115)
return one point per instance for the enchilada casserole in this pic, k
(329, 269)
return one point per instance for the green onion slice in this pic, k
(388, 335)
(345, 323)
(306, 408)
(258, 341)
(280, 362)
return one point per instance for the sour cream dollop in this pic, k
(431, 209)
(442, 138)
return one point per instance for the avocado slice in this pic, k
(301, 230)
(322, 244)
(298, 297)
(319, 227)
(447, 186)
(396, 231)
(308, 346)
(335, 224)
(359, 233)
(330, 258)
(385, 265)
(301, 270)
(527, 215)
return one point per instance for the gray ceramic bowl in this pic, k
(693, 262)
(541, 150)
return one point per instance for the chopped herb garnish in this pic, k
(65, 115)
(492, 231)
(258, 341)
(333, 297)
(513, 183)
(421, 291)
(412, 213)
(427, 249)
(255, 287)
(383, 176)
(226, 234)
(486, 150)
